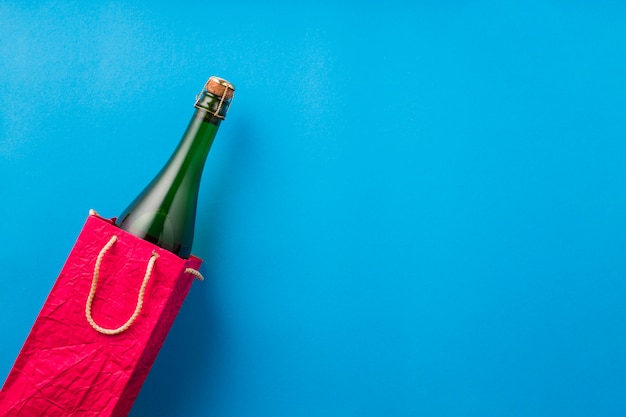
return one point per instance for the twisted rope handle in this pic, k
(195, 273)
(142, 290)
(94, 284)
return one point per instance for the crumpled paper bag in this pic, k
(67, 367)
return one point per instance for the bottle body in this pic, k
(165, 211)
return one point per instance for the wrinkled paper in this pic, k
(66, 368)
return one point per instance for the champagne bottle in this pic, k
(165, 211)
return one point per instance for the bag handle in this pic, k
(140, 296)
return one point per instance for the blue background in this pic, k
(410, 210)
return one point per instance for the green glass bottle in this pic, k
(165, 211)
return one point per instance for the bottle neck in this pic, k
(164, 213)
(180, 179)
(193, 149)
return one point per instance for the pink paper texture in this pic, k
(65, 367)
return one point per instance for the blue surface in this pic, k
(411, 210)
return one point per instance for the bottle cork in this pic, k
(220, 87)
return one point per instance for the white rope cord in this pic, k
(94, 284)
(142, 290)
(195, 273)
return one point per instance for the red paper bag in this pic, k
(100, 329)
